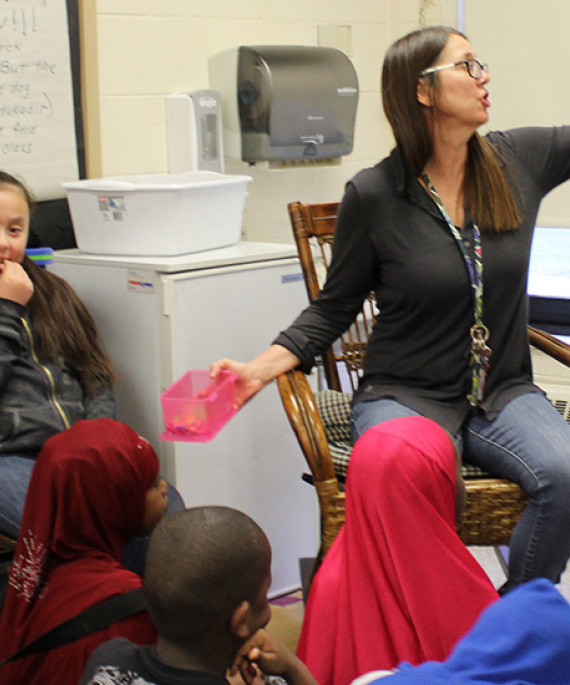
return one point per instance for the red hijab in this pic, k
(86, 499)
(397, 584)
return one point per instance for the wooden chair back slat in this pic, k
(313, 229)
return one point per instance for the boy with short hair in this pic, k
(207, 574)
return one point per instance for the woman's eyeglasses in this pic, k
(474, 68)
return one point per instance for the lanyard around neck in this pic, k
(480, 353)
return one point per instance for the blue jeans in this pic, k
(528, 443)
(15, 474)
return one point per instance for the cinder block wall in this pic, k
(138, 51)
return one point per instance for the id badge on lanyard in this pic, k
(480, 352)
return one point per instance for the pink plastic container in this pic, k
(196, 407)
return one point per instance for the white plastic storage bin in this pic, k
(160, 215)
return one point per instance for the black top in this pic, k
(120, 662)
(391, 238)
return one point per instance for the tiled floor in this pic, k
(286, 618)
(487, 557)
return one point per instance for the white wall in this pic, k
(149, 48)
(527, 47)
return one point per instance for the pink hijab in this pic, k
(397, 584)
(86, 499)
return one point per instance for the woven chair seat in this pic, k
(335, 410)
(493, 505)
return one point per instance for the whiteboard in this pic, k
(527, 47)
(37, 125)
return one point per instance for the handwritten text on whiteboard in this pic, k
(37, 128)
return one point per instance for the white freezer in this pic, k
(160, 317)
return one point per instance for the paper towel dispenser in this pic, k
(285, 102)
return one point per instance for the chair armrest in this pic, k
(301, 409)
(299, 403)
(549, 345)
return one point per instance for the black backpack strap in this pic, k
(96, 617)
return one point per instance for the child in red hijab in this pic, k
(93, 487)
(397, 584)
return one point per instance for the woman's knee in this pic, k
(555, 480)
(371, 413)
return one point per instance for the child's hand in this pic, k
(237, 679)
(15, 284)
(264, 654)
(260, 654)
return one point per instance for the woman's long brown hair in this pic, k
(486, 189)
(62, 327)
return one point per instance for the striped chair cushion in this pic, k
(335, 410)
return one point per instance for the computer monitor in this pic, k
(549, 281)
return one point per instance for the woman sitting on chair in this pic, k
(397, 584)
(94, 486)
(441, 231)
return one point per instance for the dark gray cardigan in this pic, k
(391, 238)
